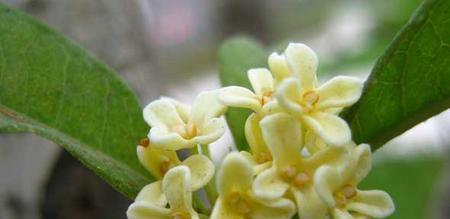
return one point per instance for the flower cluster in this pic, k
(301, 160)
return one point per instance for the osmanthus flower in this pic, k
(316, 106)
(263, 86)
(291, 172)
(158, 162)
(174, 126)
(236, 199)
(175, 190)
(337, 187)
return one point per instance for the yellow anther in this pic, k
(265, 99)
(301, 179)
(289, 172)
(348, 191)
(311, 97)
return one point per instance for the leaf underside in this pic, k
(51, 87)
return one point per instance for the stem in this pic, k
(210, 188)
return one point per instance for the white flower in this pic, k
(158, 162)
(236, 199)
(263, 89)
(175, 190)
(337, 187)
(290, 170)
(317, 106)
(174, 126)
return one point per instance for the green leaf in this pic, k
(410, 82)
(410, 182)
(236, 57)
(51, 87)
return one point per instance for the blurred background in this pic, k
(169, 48)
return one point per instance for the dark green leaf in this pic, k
(236, 57)
(410, 82)
(51, 87)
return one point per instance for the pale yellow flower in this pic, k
(291, 171)
(174, 126)
(236, 199)
(263, 89)
(337, 187)
(317, 106)
(158, 162)
(175, 189)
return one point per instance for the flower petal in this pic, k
(143, 210)
(235, 174)
(210, 131)
(303, 61)
(277, 209)
(341, 214)
(205, 107)
(221, 211)
(239, 97)
(261, 80)
(327, 180)
(268, 185)
(152, 194)
(182, 109)
(152, 158)
(373, 203)
(288, 94)
(255, 140)
(313, 143)
(359, 165)
(309, 205)
(162, 113)
(331, 128)
(202, 170)
(340, 91)
(177, 188)
(163, 139)
(283, 135)
(278, 66)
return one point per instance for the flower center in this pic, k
(186, 131)
(292, 175)
(301, 179)
(239, 204)
(344, 194)
(265, 98)
(179, 215)
(310, 98)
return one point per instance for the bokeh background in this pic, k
(169, 47)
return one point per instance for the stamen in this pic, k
(301, 179)
(145, 142)
(349, 191)
(289, 172)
